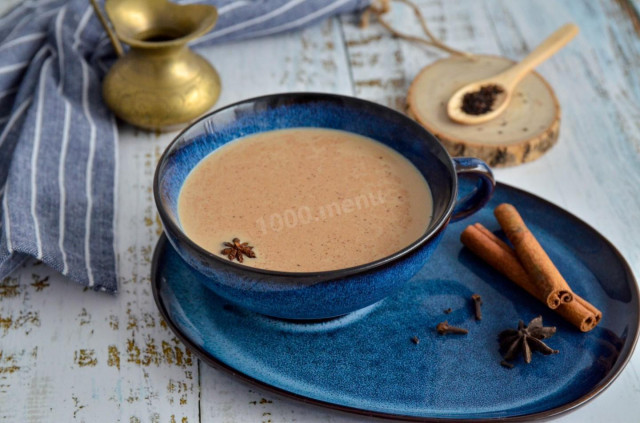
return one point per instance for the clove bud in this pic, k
(477, 303)
(443, 328)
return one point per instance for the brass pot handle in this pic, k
(106, 24)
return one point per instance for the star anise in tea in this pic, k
(526, 339)
(236, 250)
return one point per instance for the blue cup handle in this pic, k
(481, 194)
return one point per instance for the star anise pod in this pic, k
(526, 339)
(235, 250)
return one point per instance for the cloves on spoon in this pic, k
(504, 83)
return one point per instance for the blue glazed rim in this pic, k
(308, 97)
(621, 363)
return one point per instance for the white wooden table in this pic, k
(119, 362)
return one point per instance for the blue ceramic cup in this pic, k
(326, 294)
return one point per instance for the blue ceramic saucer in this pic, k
(366, 363)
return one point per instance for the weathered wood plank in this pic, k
(593, 77)
(71, 354)
(88, 355)
(383, 67)
(632, 10)
(594, 171)
(68, 354)
(313, 59)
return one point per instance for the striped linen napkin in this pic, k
(58, 141)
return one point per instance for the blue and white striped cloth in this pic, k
(58, 141)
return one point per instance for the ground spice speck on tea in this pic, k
(481, 101)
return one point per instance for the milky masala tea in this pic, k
(306, 200)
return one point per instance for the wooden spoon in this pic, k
(507, 80)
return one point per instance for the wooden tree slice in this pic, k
(523, 132)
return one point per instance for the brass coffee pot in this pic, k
(159, 84)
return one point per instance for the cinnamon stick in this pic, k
(495, 252)
(580, 313)
(498, 255)
(534, 259)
